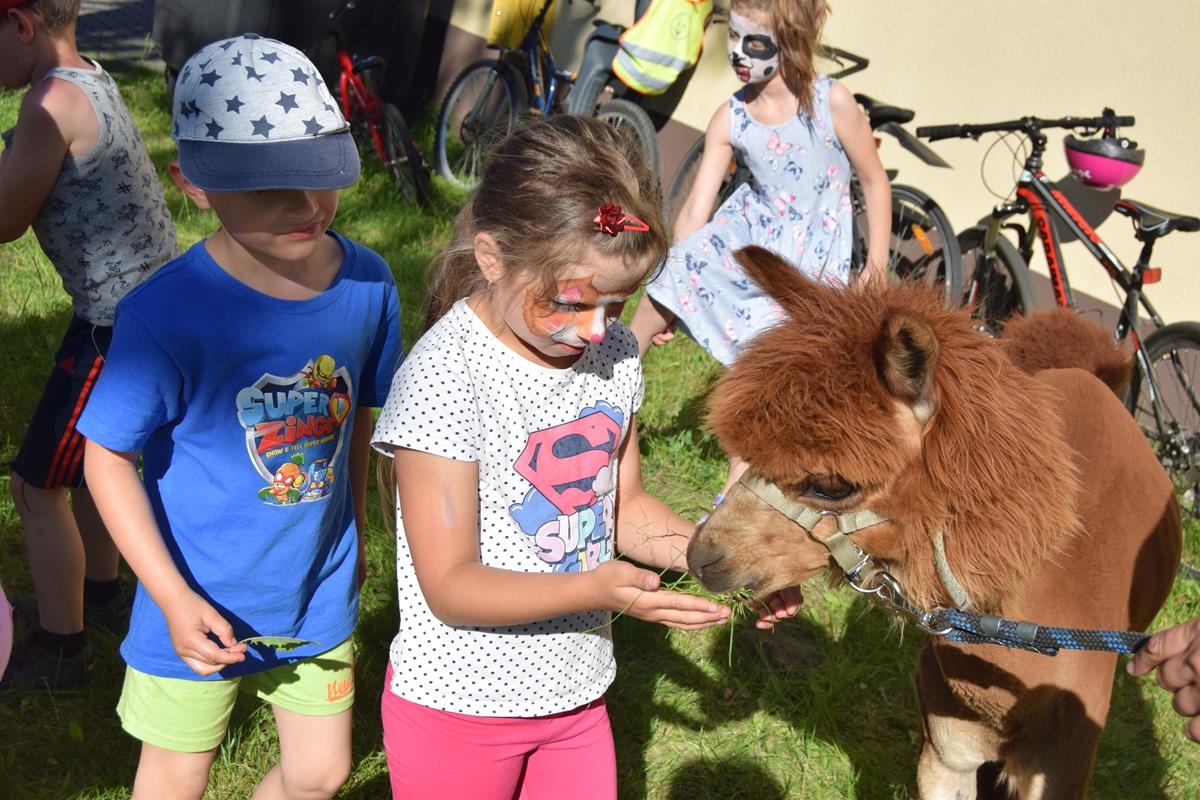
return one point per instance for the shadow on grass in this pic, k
(856, 692)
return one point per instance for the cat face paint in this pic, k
(753, 51)
(554, 330)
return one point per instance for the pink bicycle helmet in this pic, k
(1105, 162)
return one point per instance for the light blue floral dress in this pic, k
(797, 204)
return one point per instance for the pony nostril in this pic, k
(702, 557)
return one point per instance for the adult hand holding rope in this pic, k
(1175, 652)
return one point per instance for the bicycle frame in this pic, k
(358, 100)
(1038, 197)
(1044, 203)
(544, 74)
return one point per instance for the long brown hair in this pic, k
(798, 25)
(541, 189)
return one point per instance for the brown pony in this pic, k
(1050, 504)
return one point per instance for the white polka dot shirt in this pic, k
(546, 441)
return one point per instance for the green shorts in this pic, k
(191, 716)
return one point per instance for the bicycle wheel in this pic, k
(404, 159)
(632, 120)
(995, 287)
(923, 247)
(483, 102)
(685, 175)
(1168, 412)
(585, 94)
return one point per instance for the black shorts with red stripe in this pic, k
(51, 454)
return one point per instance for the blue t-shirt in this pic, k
(242, 405)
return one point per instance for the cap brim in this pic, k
(320, 162)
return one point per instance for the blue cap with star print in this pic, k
(252, 113)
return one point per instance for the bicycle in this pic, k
(488, 97)
(374, 119)
(1162, 395)
(923, 247)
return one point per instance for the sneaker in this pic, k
(33, 663)
(111, 616)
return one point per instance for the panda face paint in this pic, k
(753, 51)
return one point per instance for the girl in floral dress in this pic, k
(800, 134)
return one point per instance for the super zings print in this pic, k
(295, 430)
(572, 469)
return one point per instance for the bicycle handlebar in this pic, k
(838, 55)
(1026, 124)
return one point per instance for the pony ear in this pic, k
(906, 355)
(786, 284)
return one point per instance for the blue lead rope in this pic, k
(968, 628)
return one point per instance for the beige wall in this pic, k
(957, 61)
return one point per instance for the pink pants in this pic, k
(438, 755)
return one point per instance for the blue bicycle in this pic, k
(488, 97)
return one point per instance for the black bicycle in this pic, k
(923, 246)
(488, 97)
(1164, 393)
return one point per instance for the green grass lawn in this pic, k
(824, 707)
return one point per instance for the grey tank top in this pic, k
(104, 226)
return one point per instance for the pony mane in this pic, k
(993, 473)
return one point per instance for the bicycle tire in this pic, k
(1173, 354)
(630, 118)
(994, 288)
(923, 248)
(584, 97)
(494, 98)
(404, 159)
(685, 176)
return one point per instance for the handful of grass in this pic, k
(741, 602)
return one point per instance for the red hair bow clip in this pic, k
(612, 220)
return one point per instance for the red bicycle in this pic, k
(1164, 390)
(374, 120)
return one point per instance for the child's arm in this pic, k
(647, 530)
(714, 166)
(43, 137)
(439, 504)
(359, 466)
(854, 132)
(121, 498)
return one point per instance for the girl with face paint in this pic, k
(513, 429)
(800, 133)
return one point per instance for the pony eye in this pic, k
(828, 487)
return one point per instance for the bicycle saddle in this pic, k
(360, 63)
(1154, 222)
(880, 114)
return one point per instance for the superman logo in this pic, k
(563, 462)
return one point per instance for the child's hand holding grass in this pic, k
(624, 588)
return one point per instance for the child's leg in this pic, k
(56, 554)
(432, 753)
(312, 701)
(180, 723)
(101, 557)
(314, 757)
(169, 773)
(649, 320)
(582, 746)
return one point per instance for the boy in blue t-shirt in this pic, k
(242, 373)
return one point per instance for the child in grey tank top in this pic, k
(75, 169)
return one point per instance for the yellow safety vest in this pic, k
(662, 44)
